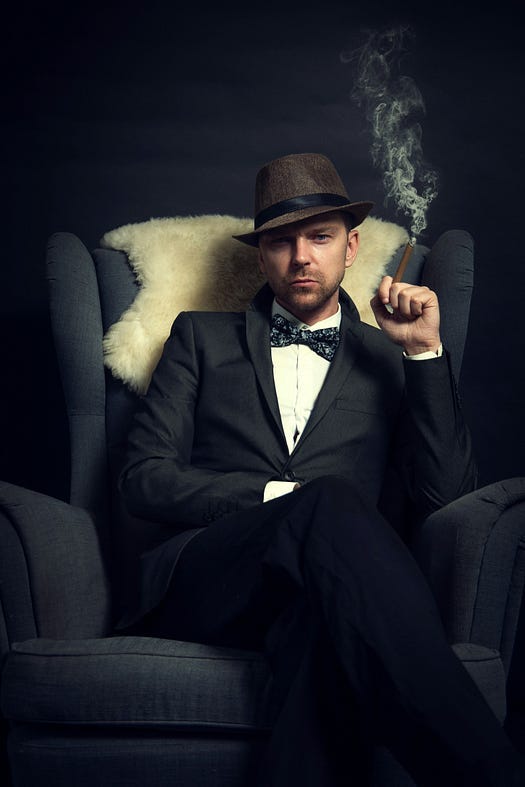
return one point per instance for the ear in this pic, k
(262, 266)
(351, 248)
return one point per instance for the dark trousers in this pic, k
(325, 586)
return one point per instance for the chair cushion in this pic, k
(486, 669)
(143, 681)
(136, 681)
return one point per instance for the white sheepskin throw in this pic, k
(193, 263)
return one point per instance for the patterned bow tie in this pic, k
(324, 341)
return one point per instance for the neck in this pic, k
(308, 318)
(312, 316)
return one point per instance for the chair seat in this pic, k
(150, 682)
(136, 681)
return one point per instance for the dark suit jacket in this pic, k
(207, 437)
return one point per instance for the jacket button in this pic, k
(289, 476)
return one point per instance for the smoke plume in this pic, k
(393, 102)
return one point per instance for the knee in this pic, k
(328, 517)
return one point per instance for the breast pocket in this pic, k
(366, 407)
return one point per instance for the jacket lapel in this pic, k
(258, 340)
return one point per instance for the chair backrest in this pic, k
(89, 291)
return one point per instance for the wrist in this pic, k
(424, 347)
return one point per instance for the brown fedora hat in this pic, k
(297, 187)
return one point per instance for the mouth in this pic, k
(303, 282)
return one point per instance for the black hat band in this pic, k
(297, 203)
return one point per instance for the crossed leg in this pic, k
(321, 581)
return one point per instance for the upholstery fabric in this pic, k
(148, 682)
(74, 302)
(485, 667)
(476, 560)
(54, 583)
(99, 695)
(81, 758)
(451, 276)
(136, 681)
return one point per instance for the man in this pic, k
(265, 439)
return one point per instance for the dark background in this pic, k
(121, 114)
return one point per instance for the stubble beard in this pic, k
(306, 299)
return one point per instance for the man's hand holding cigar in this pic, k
(412, 320)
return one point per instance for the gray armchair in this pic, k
(82, 705)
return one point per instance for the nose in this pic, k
(301, 254)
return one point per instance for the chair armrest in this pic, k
(449, 271)
(472, 552)
(52, 575)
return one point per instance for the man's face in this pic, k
(305, 263)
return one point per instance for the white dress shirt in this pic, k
(299, 374)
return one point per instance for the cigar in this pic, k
(403, 262)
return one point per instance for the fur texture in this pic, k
(192, 263)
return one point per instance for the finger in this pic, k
(410, 299)
(383, 292)
(379, 310)
(409, 304)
